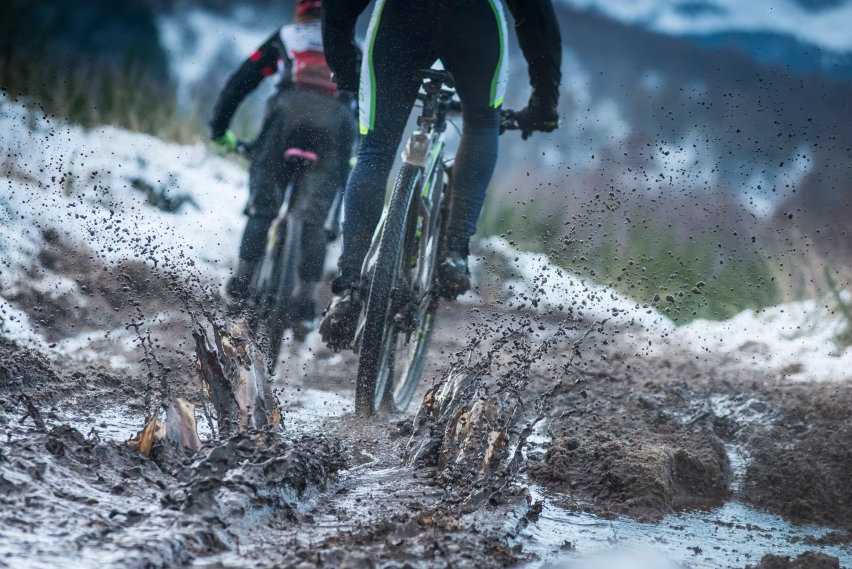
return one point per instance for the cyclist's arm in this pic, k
(338, 37)
(261, 64)
(541, 43)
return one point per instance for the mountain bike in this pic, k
(274, 280)
(393, 337)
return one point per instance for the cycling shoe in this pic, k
(453, 275)
(340, 319)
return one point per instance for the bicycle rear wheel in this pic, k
(401, 304)
(405, 355)
(275, 294)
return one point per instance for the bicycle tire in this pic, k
(265, 276)
(369, 393)
(399, 389)
(276, 319)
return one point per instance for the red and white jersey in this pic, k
(310, 71)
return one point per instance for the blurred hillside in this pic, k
(707, 162)
(702, 141)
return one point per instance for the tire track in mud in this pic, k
(617, 419)
(157, 487)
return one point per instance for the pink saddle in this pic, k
(298, 155)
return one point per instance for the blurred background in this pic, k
(704, 152)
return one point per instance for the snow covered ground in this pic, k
(95, 187)
(84, 185)
(798, 339)
(824, 24)
(90, 185)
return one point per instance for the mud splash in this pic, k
(489, 472)
(72, 501)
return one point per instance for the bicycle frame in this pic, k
(401, 268)
(424, 150)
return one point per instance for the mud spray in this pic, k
(555, 425)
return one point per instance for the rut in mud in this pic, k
(539, 399)
(527, 410)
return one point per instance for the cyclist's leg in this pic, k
(473, 49)
(327, 130)
(316, 193)
(266, 175)
(399, 42)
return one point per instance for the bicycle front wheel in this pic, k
(376, 355)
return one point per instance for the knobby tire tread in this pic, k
(378, 303)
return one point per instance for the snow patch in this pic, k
(798, 340)
(89, 186)
(549, 287)
(15, 325)
(95, 187)
(827, 28)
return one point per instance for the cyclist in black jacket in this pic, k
(305, 112)
(469, 37)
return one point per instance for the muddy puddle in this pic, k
(731, 536)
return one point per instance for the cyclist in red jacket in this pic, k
(306, 112)
(469, 37)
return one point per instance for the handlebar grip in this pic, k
(508, 120)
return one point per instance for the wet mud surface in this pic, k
(808, 560)
(525, 418)
(801, 464)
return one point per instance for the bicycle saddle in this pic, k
(439, 76)
(299, 155)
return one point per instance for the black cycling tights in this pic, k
(469, 38)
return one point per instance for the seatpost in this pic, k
(430, 102)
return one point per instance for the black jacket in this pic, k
(535, 24)
(261, 64)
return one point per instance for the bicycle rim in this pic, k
(407, 358)
(375, 359)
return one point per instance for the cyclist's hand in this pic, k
(227, 141)
(535, 117)
(349, 100)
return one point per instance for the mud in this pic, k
(808, 560)
(641, 476)
(523, 421)
(68, 291)
(626, 443)
(802, 462)
(109, 504)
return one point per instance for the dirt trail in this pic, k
(523, 411)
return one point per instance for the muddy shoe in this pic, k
(340, 319)
(453, 274)
(236, 289)
(234, 293)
